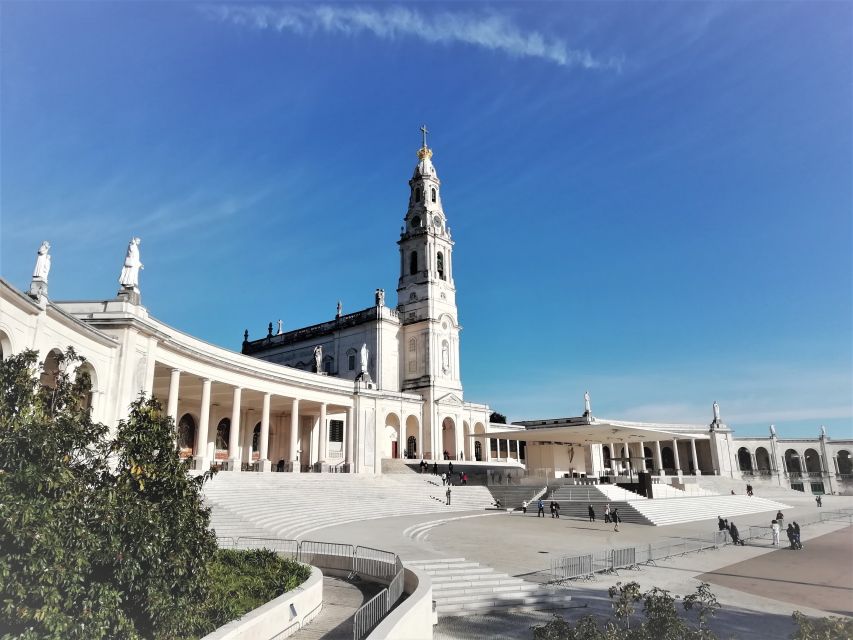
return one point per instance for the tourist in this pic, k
(721, 524)
(818, 500)
(733, 492)
(797, 542)
(557, 509)
(774, 525)
(464, 478)
(735, 534)
(435, 468)
(591, 512)
(443, 479)
(541, 512)
(524, 507)
(498, 504)
(607, 513)
(423, 465)
(280, 465)
(450, 468)
(780, 519)
(447, 493)
(552, 508)
(614, 515)
(790, 532)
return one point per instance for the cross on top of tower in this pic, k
(424, 151)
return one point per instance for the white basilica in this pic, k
(379, 383)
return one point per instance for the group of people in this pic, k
(447, 478)
(734, 534)
(749, 490)
(776, 526)
(610, 515)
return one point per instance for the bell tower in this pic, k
(426, 294)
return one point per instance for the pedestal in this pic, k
(201, 463)
(129, 294)
(264, 466)
(231, 465)
(38, 289)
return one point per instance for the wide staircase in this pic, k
(285, 505)
(460, 588)
(632, 507)
(512, 497)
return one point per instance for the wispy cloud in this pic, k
(488, 30)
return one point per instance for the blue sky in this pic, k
(651, 201)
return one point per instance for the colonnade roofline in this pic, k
(596, 432)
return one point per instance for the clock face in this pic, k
(436, 221)
(416, 221)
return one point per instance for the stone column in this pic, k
(202, 462)
(234, 434)
(324, 437)
(696, 470)
(294, 435)
(658, 459)
(348, 453)
(614, 465)
(626, 453)
(174, 385)
(507, 450)
(644, 466)
(487, 445)
(421, 449)
(675, 456)
(264, 444)
(401, 437)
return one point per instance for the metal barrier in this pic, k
(287, 548)
(328, 555)
(572, 567)
(623, 558)
(370, 614)
(843, 515)
(375, 562)
(224, 542)
(395, 588)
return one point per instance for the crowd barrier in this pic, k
(382, 566)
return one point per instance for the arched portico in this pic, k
(812, 461)
(744, 460)
(448, 439)
(413, 445)
(187, 435)
(466, 441)
(792, 461)
(5, 345)
(480, 444)
(845, 463)
(391, 436)
(762, 460)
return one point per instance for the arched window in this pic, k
(50, 369)
(223, 433)
(762, 459)
(411, 446)
(812, 460)
(413, 345)
(433, 194)
(605, 452)
(845, 465)
(667, 458)
(186, 434)
(86, 398)
(413, 263)
(792, 461)
(440, 264)
(478, 451)
(418, 194)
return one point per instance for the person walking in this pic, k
(591, 512)
(790, 532)
(721, 524)
(776, 530)
(435, 468)
(797, 543)
(447, 493)
(780, 519)
(552, 508)
(541, 512)
(615, 516)
(450, 468)
(607, 513)
(443, 479)
(818, 500)
(524, 507)
(557, 509)
(735, 534)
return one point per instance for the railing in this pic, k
(384, 566)
(609, 560)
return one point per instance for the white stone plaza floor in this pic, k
(757, 598)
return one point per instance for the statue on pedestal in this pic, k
(822, 432)
(42, 262)
(38, 286)
(129, 278)
(318, 359)
(380, 297)
(279, 328)
(340, 311)
(587, 404)
(716, 413)
(364, 356)
(772, 430)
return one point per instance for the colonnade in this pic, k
(638, 462)
(202, 459)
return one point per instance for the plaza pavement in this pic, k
(523, 546)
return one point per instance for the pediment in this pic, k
(451, 399)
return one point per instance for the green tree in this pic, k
(497, 418)
(53, 467)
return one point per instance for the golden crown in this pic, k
(424, 152)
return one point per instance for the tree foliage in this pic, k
(497, 418)
(100, 537)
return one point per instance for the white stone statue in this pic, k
(587, 405)
(716, 412)
(279, 328)
(42, 262)
(318, 358)
(773, 430)
(364, 356)
(129, 278)
(822, 431)
(380, 297)
(445, 357)
(340, 309)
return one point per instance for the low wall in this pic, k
(413, 618)
(281, 617)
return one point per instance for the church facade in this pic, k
(382, 382)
